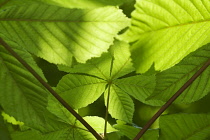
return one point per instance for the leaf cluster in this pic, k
(115, 52)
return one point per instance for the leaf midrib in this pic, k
(173, 26)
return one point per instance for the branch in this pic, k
(62, 101)
(171, 100)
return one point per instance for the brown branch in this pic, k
(62, 101)
(171, 100)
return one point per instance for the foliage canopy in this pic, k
(98, 51)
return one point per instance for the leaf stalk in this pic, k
(61, 100)
(171, 100)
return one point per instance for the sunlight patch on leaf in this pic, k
(121, 60)
(58, 34)
(164, 32)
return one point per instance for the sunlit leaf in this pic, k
(106, 69)
(121, 105)
(99, 67)
(118, 59)
(163, 32)
(121, 60)
(185, 126)
(97, 123)
(169, 81)
(80, 90)
(57, 34)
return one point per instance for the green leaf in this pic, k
(61, 112)
(140, 87)
(164, 32)
(21, 95)
(185, 126)
(121, 105)
(118, 58)
(171, 80)
(99, 67)
(4, 133)
(132, 131)
(121, 60)
(80, 90)
(84, 3)
(98, 124)
(107, 69)
(74, 131)
(57, 34)
(32, 135)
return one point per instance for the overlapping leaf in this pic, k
(140, 87)
(110, 68)
(21, 95)
(57, 34)
(169, 81)
(131, 131)
(185, 126)
(4, 133)
(75, 131)
(121, 105)
(79, 91)
(164, 32)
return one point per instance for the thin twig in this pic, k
(107, 112)
(64, 103)
(108, 97)
(171, 100)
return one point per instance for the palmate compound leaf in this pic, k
(131, 131)
(57, 34)
(118, 58)
(121, 105)
(75, 131)
(185, 127)
(169, 81)
(163, 32)
(21, 95)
